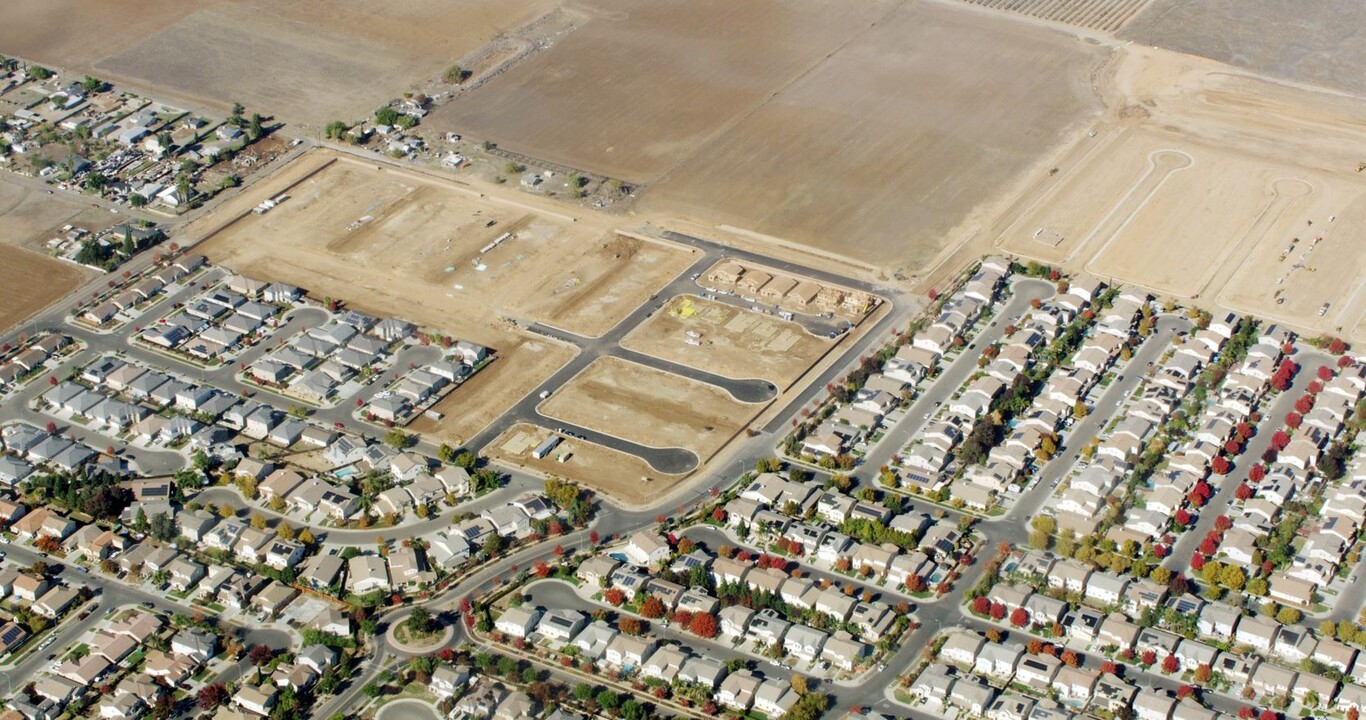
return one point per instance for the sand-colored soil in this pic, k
(885, 150)
(645, 82)
(619, 476)
(302, 61)
(486, 396)
(650, 407)
(727, 340)
(1213, 187)
(403, 244)
(29, 282)
(435, 252)
(29, 279)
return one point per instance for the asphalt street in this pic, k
(1014, 525)
(110, 594)
(1273, 418)
(952, 377)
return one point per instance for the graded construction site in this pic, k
(624, 478)
(1214, 187)
(483, 266)
(400, 243)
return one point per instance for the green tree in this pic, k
(454, 74)
(335, 130)
(397, 439)
(1288, 616)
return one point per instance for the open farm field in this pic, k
(620, 476)
(301, 61)
(887, 151)
(650, 407)
(1318, 42)
(1102, 15)
(727, 340)
(1188, 193)
(644, 83)
(30, 281)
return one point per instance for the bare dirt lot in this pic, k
(403, 244)
(518, 370)
(304, 61)
(884, 151)
(462, 260)
(29, 279)
(645, 82)
(649, 407)
(729, 341)
(1213, 187)
(29, 282)
(617, 475)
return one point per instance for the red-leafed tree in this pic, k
(1170, 664)
(1203, 673)
(998, 611)
(1245, 430)
(1325, 373)
(1069, 658)
(704, 625)
(1304, 404)
(211, 696)
(1208, 546)
(1185, 691)
(652, 608)
(1337, 347)
(1110, 666)
(260, 655)
(1221, 465)
(1019, 617)
(1148, 658)
(1343, 362)
(1197, 562)
(1222, 523)
(1257, 472)
(981, 605)
(1232, 446)
(1183, 517)
(1246, 713)
(1269, 714)
(1280, 440)
(614, 596)
(1315, 387)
